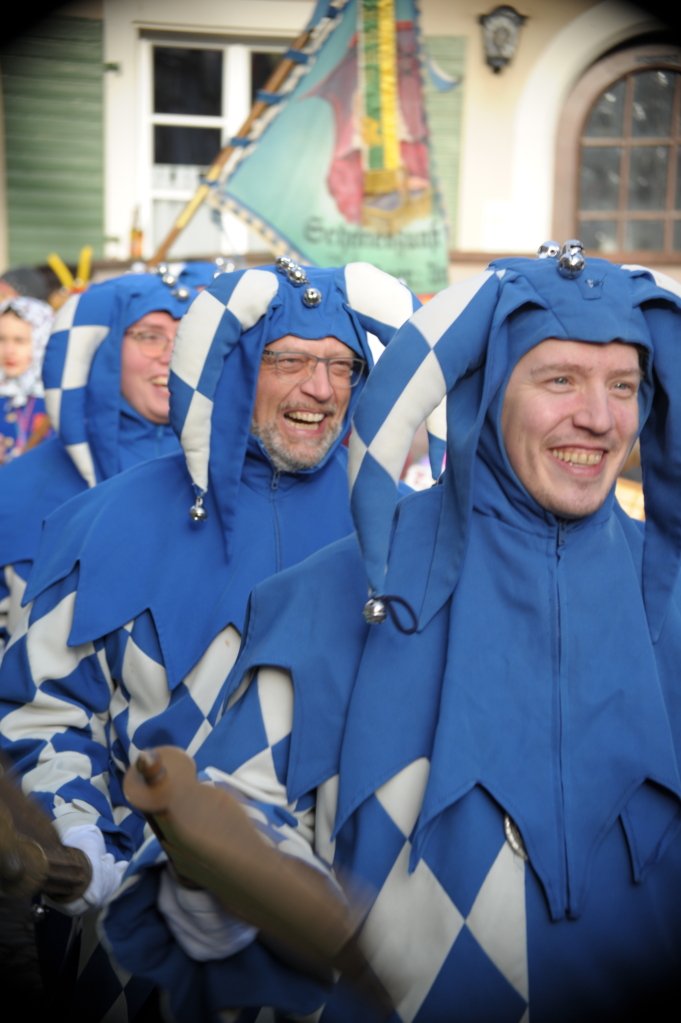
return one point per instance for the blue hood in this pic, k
(215, 366)
(82, 368)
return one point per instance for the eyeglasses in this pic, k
(151, 342)
(298, 367)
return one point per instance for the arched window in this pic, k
(618, 173)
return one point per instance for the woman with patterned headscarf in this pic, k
(25, 325)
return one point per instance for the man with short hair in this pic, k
(139, 590)
(490, 755)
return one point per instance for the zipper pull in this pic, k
(275, 480)
(560, 539)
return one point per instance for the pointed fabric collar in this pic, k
(479, 716)
(141, 514)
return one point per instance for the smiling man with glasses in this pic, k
(303, 394)
(487, 751)
(150, 575)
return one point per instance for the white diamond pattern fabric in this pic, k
(208, 328)
(414, 924)
(95, 706)
(406, 957)
(414, 378)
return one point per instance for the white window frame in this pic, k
(236, 239)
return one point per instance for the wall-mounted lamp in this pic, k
(500, 31)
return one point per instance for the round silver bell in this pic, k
(374, 611)
(161, 269)
(571, 261)
(226, 268)
(548, 250)
(283, 264)
(197, 511)
(312, 297)
(181, 293)
(169, 279)
(297, 276)
(219, 261)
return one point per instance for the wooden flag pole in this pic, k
(273, 84)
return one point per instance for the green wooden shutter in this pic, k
(52, 79)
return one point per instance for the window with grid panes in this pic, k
(192, 116)
(630, 177)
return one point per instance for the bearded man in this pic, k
(492, 752)
(138, 595)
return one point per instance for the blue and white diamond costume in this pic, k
(99, 433)
(136, 609)
(504, 780)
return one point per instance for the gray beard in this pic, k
(284, 460)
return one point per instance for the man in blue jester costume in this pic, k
(106, 391)
(139, 591)
(492, 751)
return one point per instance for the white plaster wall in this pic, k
(510, 119)
(125, 163)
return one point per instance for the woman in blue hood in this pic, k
(105, 375)
(494, 751)
(140, 587)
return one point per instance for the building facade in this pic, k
(113, 110)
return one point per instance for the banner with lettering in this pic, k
(339, 168)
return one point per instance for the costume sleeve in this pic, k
(54, 716)
(252, 742)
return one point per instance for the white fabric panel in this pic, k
(325, 818)
(247, 783)
(275, 692)
(257, 779)
(206, 677)
(83, 343)
(375, 346)
(53, 405)
(195, 438)
(44, 716)
(436, 423)
(402, 796)
(49, 656)
(64, 317)
(437, 316)
(195, 336)
(198, 922)
(200, 736)
(357, 449)
(22, 626)
(252, 296)
(17, 588)
(56, 769)
(375, 293)
(81, 456)
(409, 933)
(147, 682)
(423, 393)
(497, 918)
